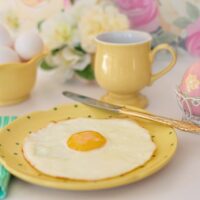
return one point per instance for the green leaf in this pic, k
(39, 25)
(165, 37)
(160, 3)
(44, 65)
(87, 73)
(192, 11)
(79, 48)
(181, 43)
(72, 2)
(56, 50)
(182, 22)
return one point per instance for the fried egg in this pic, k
(88, 149)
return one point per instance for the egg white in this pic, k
(128, 146)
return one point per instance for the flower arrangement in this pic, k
(21, 15)
(70, 35)
(69, 27)
(183, 22)
(142, 14)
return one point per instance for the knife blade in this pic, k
(182, 125)
(92, 102)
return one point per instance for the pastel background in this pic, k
(174, 21)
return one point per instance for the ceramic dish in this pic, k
(12, 137)
(18, 79)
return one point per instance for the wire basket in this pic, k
(189, 107)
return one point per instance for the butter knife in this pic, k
(181, 125)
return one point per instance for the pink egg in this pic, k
(190, 88)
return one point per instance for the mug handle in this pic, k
(158, 48)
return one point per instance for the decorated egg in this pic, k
(190, 89)
(5, 38)
(7, 55)
(28, 45)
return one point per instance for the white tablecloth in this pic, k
(180, 179)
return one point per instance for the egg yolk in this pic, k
(86, 141)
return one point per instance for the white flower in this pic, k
(76, 59)
(59, 30)
(63, 75)
(23, 15)
(69, 60)
(8, 16)
(98, 19)
(37, 10)
(80, 7)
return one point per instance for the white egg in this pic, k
(28, 45)
(117, 146)
(8, 55)
(5, 38)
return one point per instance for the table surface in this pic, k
(178, 180)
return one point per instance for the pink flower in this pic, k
(192, 41)
(143, 14)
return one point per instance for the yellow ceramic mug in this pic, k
(123, 65)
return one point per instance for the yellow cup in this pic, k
(123, 66)
(17, 80)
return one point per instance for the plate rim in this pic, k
(93, 185)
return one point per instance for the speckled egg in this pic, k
(190, 88)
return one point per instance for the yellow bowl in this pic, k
(17, 80)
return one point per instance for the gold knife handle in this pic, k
(181, 125)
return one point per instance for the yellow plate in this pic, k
(12, 137)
